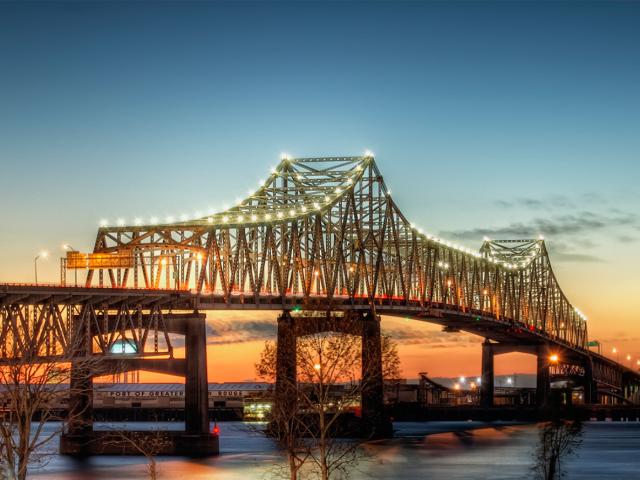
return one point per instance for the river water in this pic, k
(438, 450)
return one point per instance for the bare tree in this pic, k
(558, 439)
(147, 443)
(266, 366)
(310, 424)
(33, 391)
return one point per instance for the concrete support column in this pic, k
(486, 385)
(543, 385)
(80, 420)
(196, 407)
(286, 372)
(375, 422)
(590, 385)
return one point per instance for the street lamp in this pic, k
(43, 254)
(69, 248)
(615, 352)
(553, 358)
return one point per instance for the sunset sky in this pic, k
(506, 119)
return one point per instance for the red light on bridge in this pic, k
(216, 429)
(532, 328)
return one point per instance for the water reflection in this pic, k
(442, 450)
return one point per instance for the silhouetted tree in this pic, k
(328, 384)
(558, 439)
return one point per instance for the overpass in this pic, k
(321, 241)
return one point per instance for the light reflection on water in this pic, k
(442, 450)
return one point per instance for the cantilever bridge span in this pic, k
(318, 235)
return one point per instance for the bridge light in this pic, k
(628, 357)
(254, 218)
(509, 380)
(327, 199)
(553, 358)
(292, 212)
(103, 223)
(280, 214)
(478, 380)
(316, 205)
(225, 219)
(267, 216)
(368, 154)
(540, 237)
(199, 257)
(614, 350)
(137, 221)
(163, 261)
(303, 208)
(240, 218)
(456, 386)
(120, 222)
(462, 379)
(316, 273)
(486, 239)
(316, 366)
(284, 156)
(210, 220)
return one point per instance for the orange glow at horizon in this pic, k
(422, 347)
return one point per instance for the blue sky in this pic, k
(505, 118)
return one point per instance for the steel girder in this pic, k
(328, 228)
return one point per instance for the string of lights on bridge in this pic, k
(327, 201)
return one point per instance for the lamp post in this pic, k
(42, 254)
(616, 353)
(69, 248)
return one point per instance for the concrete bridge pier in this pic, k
(376, 424)
(590, 385)
(543, 384)
(375, 421)
(196, 402)
(286, 371)
(81, 440)
(487, 379)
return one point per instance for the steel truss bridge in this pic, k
(319, 234)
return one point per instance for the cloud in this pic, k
(551, 203)
(627, 239)
(559, 225)
(413, 335)
(240, 330)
